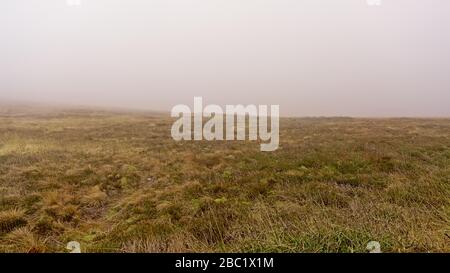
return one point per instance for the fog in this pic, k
(312, 57)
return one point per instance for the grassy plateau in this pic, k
(116, 181)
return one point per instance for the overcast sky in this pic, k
(312, 57)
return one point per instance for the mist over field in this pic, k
(325, 57)
(357, 161)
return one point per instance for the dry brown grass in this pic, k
(11, 219)
(117, 182)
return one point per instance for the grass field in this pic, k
(117, 182)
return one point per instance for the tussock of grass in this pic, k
(11, 219)
(24, 240)
(95, 197)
